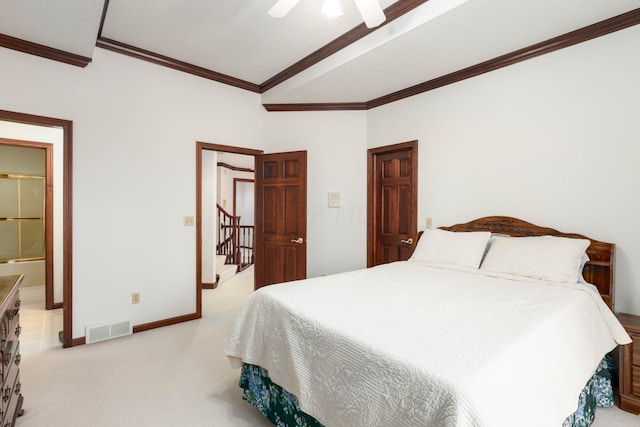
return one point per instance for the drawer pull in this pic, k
(8, 352)
(17, 304)
(18, 387)
(18, 330)
(18, 359)
(6, 394)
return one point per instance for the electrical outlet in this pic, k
(187, 221)
(429, 222)
(135, 298)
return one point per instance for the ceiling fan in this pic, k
(370, 10)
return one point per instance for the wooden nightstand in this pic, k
(629, 365)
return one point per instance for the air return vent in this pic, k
(106, 331)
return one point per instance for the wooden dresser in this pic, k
(629, 365)
(10, 349)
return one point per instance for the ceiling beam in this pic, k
(392, 13)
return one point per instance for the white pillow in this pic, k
(448, 248)
(550, 258)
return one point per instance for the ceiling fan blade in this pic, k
(282, 7)
(371, 12)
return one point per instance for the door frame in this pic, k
(372, 218)
(201, 146)
(67, 220)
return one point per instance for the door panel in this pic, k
(392, 204)
(281, 218)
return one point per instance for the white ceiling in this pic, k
(239, 39)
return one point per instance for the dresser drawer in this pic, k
(13, 404)
(9, 319)
(9, 346)
(635, 381)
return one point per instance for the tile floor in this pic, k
(40, 327)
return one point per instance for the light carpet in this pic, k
(172, 376)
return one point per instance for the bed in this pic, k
(495, 322)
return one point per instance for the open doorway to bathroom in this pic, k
(54, 136)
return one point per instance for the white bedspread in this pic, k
(403, 344)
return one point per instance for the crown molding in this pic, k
(42, 51)
(165, 61)
(327, 106)
(572, 38)
(234, 168)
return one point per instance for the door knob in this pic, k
(409, 241)
(299, 240)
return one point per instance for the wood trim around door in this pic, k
(67, 187)
(200, 146)
(372, 153)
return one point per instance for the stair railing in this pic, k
(234, 240)
(245, 246)
(227, 235)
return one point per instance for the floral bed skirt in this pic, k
(281, 407)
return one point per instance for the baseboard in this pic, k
(147, 326)
(165, 322)
(209, 285)
(78, 341)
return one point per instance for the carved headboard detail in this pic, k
(599, 269)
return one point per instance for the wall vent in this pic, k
(106, 331)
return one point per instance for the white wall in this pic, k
(135, 128)
(225, 186)
(553, 140)
(550, 140)
(245, 202)
(34, 271)
(336, 161)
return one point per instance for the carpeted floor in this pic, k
(173, 376)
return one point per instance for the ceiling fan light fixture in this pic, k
(332, 8)
(371, 12)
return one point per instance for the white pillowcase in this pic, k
(448, 248)
(550, 258)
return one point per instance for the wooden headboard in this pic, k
(598, 271)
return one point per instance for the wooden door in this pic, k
(392, 203)
(281, 218)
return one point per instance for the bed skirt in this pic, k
(281, 407)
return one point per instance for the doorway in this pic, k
(62, 256)
(392, 202)
(206, 207)
(286, 173)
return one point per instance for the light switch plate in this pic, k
(334, 200)
(188, 221)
